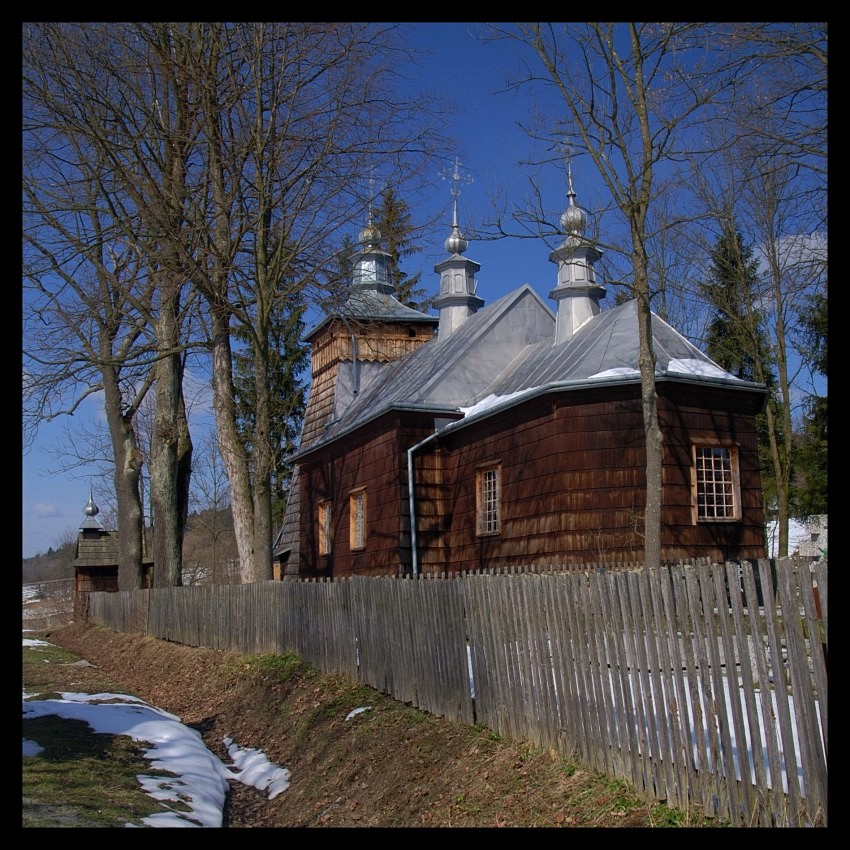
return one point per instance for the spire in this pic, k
(456, 243)
(457, 300)
(574, 218)
(577, 292)
(91, 509)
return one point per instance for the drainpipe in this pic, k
(410, 452)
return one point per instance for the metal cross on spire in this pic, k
(574, 218)
(371, 200)
(456, 177)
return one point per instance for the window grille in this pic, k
(716, 480)
(489, 499)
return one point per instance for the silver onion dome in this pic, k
(91, 509)
(574, 218)
(456, 243)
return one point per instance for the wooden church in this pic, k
(510, 434)
(96, 559)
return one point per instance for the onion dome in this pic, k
(456, 243)
(574, 218)
(91, 509)
(370, 236)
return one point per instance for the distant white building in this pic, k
(808, 539)
(814, 544)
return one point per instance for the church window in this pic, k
(357, 519)
(488, 499)
(325, 535)
(716, 483)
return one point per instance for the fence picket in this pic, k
(658, 678)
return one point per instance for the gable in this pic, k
(442, 376)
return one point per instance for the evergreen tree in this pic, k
(811, 457)
(287, 362)
(393, 220)
(737, 339)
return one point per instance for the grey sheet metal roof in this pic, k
(507, 350)
(442, 376)
(374, 306)
(608, 346)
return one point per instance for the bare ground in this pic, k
(390, 766)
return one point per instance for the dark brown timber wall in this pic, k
(572, 484)
(375, 459)
(573, 480)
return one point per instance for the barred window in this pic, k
(325, 536)
(716, 483)
(357, 519)
(488, 498)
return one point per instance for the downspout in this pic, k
(410, 451)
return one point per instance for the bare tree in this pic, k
(294, 116)
(631, 92)
(767, 176)
(234, 157)
(85, 295)
(106, 114)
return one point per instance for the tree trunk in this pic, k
(652, 433)
(167, 550)
(128, 464)
(230, 446)
(263, 459)
(167, 440)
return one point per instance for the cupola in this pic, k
(577, 292)
(457, 300)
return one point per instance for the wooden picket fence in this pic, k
(703, 685)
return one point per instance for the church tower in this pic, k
(457, 300)
(348, 349)
(577, 292)
(373, 328)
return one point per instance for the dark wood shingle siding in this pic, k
(572, 469)
(371, 458)
(573, 482)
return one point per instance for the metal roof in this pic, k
(508, 349)
(373, 306)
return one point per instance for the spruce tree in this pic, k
(737, 339)
(811, 456)
(393, 220)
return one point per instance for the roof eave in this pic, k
(435, 410)
(586, 383)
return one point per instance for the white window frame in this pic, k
(715, 482)
(357, 519)
(488, 499)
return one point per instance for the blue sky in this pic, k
(491, 147)
(489, 144)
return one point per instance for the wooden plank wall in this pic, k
(664, 677)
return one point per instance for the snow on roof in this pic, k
(692, 366)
